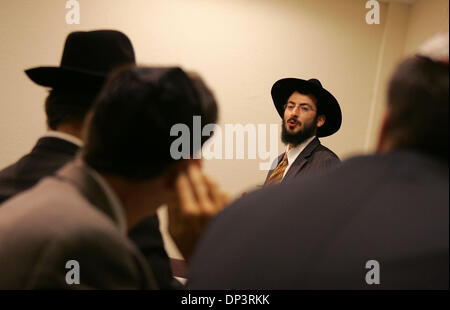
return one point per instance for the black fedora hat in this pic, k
(87, 59)
(329, 106)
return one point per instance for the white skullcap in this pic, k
(436, 48)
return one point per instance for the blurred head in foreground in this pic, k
(417, 115)
(129, 139)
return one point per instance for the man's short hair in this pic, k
(418, 100)
(64, 105)
(129, 132)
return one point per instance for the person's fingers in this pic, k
(197, 199)
(214, 190)
(186, 199)
(219, 198)
(200, 189)
(180, 211)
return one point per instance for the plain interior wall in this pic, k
(426, 19)
(407, 27)
(390, 53)
(240, 47)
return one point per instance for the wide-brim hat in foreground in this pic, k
(329, 106)
(87, 59)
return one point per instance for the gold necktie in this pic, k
(277, 174)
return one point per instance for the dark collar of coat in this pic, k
(56, 144)
(302, 158)
(77, 174)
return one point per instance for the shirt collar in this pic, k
(114, 201)
(64, 136)
(293, 153)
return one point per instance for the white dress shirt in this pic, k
(64, 136)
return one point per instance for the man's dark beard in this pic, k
(297, 138)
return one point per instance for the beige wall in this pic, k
(390, 52)
(240, 47)
(427, 17)
(407, 27)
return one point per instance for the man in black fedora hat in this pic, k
(308, 111)
(88, 58)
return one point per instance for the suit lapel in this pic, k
(301, 159)
(76, 173)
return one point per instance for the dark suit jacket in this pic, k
(392, 208)
(63, 218)
(314, 157)
(49, 155)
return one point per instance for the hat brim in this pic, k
(60, 77)
(329, 106)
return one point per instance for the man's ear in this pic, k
(320, 120)
(382, 143)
